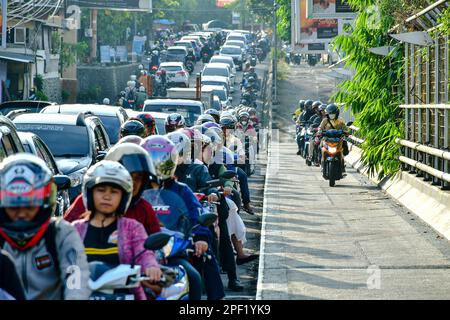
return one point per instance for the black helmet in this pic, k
(332, 109)
(132, 127)
(316, 104)
(308, 105)
(174, 121)
(301, 104)
(25, 181)
(214, 113)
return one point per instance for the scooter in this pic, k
(332, 155)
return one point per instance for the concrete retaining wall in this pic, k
(429, 203)
(110, 80)
(52, 88)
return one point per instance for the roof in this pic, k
(100, 110)
(215, 78)
(173, 102)
(174, 63)
(217, 65)
(221, 57)
(208, 87)
(18, 57)
(230, 46)
(156, 115)
(41, 118)
(177, 48)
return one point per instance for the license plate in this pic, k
(170, 75)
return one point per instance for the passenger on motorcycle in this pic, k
(149, 123)
(214, 113)
(165, 158)
(132, 127)
(141, 96)
(109, 237)
(48, 251)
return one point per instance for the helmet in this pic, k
(106, 101)
(133, 77)
(174, 121)
(130, 139)
(182, 144)
(316, 104)
(141, 67)
(252, 111)
(205, 118)
(308, 105)
(322, 107)
(332, 109)
(209, 125)
(107, 172)
(224, 156)
(301, 104)
(132, 127)
(251, 79)
(25, 181)
(141, 89)
(228, 122)
(164, 155)
(213, 135)
(214, 113)
(148, 121)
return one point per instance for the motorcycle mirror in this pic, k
(156, 241)
(62, 182)
(229, 174)
(349, 123)
(101, 156)
(207, 219)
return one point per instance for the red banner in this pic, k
(222, 3)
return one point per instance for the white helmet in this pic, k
(141, 66)
(142, 89)
(133, 77)
(109, 172)
(106, 101)
(182, 144)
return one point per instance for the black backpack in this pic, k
(50, 243)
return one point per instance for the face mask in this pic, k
(244, 123)
(332, 116)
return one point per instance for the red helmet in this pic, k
(148, 120)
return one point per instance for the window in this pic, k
(100, 140)
(9, 145)
(19, 35)
(44, 154)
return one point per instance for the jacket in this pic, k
(131, 240)
(338, 124)
(193, 205)
(40, 279)
(196, 176)
(140, 210)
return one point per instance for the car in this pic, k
(11, 108)
(225, 59)
(239, 44)
(176, 74)
(34, 145)
(195, 46)
(235, 52)
(176, 54)
(218, 69)
(236, 36)
(9, 139)
(111, 116)
(77, 141)
(222, 93)
(190, 45)
(189, 109)
(216, 103)
(217, 81)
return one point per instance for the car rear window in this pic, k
(171, 68)
(176, 51)
(229, 50)
(216, 72)
(190, 113)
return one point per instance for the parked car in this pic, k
(189, 109)
(76, 141)
(235, 52)
(176, 74)
(111, 117)
(9, 140)
(34, 145)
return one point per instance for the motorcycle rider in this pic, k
(106, 101)
(141, 96)
(204, 118)
(313, 123)
(47, 250)
(109, 237)
(165, 158)
(140, 166)
(149, 123)
(214, 113)
(299, 110)
(332, 121)
(132, 127)
(302, 121)
(174, 121)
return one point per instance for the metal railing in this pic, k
(354, 138)
(426, 144)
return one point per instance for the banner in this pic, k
(236, 17)
(128, 5)
(138, 45)
(329, 9)
(316, 30)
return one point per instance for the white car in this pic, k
(225, 59)
(222, 93)
(176, 74)
(218, 69)
(240, 44)
(217, 81)
(235, 52)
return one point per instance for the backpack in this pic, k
(50, 243)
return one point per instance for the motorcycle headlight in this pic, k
(167, 249)
(332, 149)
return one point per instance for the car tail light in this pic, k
(181, 73)
(154, 68)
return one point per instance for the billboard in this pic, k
(129, 5)
(316, 30)
(222, 3)
(329, 9)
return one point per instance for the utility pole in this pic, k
(94, 35)
(4, 22)
(275, 55)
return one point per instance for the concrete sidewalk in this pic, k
(347, 242)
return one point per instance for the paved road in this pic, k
(347, 242)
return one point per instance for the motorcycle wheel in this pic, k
(308, 162)
(334, 172)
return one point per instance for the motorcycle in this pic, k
(190, 66)
(297, 58)
(205, 58)
(332, 155)
(312, 60)
(307, 134)
(314, 157)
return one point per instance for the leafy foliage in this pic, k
(372, 94)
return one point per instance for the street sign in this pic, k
(129, 5)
